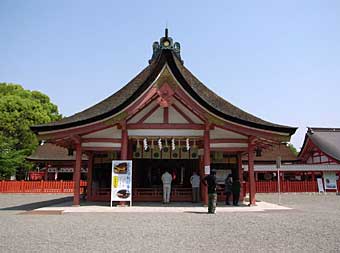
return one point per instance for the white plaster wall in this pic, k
(155, 117)
(219, 133)
(175, 117)
(111, 132)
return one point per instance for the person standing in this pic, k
(195, 184)
(166, 179)
(210, 181)
(236, 187)
(228, 189)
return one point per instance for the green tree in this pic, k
(293, 149)
(20, 109)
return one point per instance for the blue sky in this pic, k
(279, 60)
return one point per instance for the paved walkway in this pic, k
(149, 207)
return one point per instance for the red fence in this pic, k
(39, 186)
(285, 186)
(67, 187)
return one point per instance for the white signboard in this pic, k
(329, 180)
(320, 185)
(121, 181)
(207, 169)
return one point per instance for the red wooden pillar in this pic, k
(124, 147)
(252, 200)
(240, 175)
(89, 175)
(76, 176)
(206, 159)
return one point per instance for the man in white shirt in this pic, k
(195, 183)
(166, 179)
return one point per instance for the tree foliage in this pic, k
(293, 149)
(20, 109)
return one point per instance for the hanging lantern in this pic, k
(160, 144)
(152, 146)
(194, 143)
(70, 151)
(187, 143)
(145, 144)
(166, 146)
(173, 146)
(258, 152)
(138, 144)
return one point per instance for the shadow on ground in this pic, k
(35, 205)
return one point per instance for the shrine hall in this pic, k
(163, 119)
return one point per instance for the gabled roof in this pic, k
(130, 92)
(326, 140)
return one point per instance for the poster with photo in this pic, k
(329, 180)
(121, 181)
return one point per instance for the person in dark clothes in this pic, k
(228, 189)
(236, 188)
(210, 181)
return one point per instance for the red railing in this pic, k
(285, 186)
(180, 194)
(39, 186)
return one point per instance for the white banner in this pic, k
(320, 185)
(121, 182)
(207, 169)
(329, 180)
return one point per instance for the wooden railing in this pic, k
(285, 186)
(147, 194)
(39, 186)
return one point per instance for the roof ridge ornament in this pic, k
(166, 43)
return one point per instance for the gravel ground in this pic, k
(312, 226)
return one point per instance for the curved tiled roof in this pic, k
(326, 139)
(207, 98)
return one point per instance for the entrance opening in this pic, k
(147, 183)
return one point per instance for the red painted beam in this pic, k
(166, 115)
(131, 115)
(251, 175)
(76, 175)
(89, 175)
(142, 101)
(125, 140)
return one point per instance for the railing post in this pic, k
(22, 186)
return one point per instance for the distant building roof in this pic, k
(51, 152)
(326, 140)
(271, 154)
